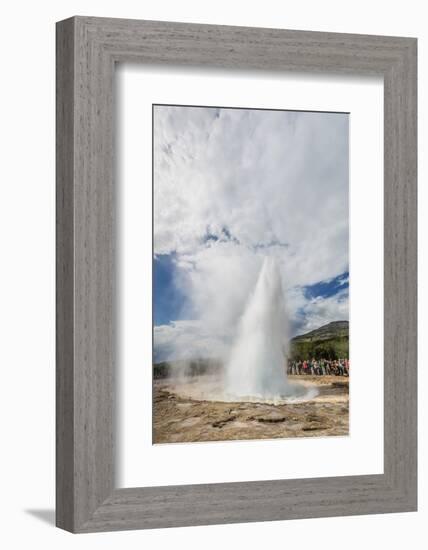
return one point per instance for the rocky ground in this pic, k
(179, 416)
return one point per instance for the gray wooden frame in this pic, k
(87, 50)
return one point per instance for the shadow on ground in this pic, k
(46, 515)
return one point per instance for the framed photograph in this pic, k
(236, 274)
(250, 274)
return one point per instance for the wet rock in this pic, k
(223, 422)
(271, 420)
(314, 426)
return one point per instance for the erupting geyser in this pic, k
(257, 364)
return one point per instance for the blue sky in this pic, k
(232, 186)
(326, 289)
(168, 300)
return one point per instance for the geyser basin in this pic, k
(212, 388)
(255, 371)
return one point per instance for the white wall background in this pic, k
(27, 271)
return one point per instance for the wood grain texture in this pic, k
(87, 49)
(64, 276)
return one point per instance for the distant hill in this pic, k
(330, 341)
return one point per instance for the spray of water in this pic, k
(256, 370)
(257, 365)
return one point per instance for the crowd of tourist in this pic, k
(320, 367)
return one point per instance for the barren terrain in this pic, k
(182, 414)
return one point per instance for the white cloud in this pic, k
(247, 180)
(187, 340)
(311, 313)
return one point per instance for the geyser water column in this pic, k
(257, 364)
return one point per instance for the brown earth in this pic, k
(181, 418)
